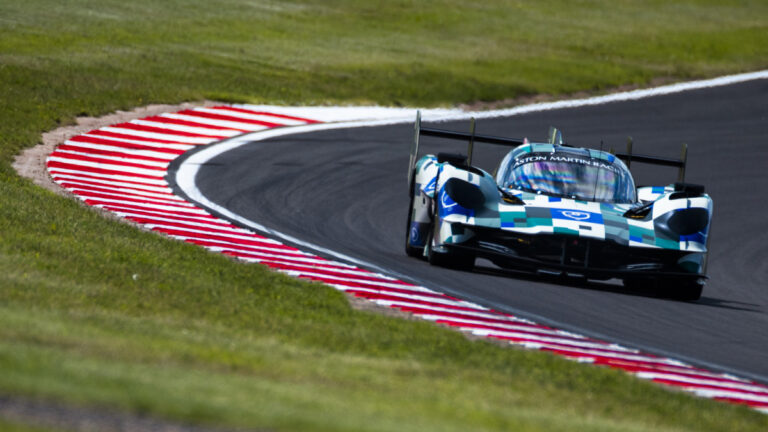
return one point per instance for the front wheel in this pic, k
(458, 260)
(411, 251)
(683, 290)
(453, 259)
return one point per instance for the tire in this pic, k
(683, 290)
(639, 284)
(452, 259)
(411, 251)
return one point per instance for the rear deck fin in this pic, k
(471, 145)
(684, 158)
(414, 149)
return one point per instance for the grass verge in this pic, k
(199, 338)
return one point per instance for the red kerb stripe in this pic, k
(164, 131)
(137, 138)
(522, 326)
(68, 147)
(169, 120)
(753, 404)
(84, 177)
(179, 224)
(247, 111)
(77, 157)
(210, 220)
(124, 144)
(369, 277)
(572, 353)
(228, 118)
(172, 213)
(252, 250)
(424, 311)
(378, 296)
(255, 242)
(65, 165)
(564, 345)
(125, 197)
(706, 386)
(111, 190)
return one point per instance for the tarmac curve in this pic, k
(345, 190)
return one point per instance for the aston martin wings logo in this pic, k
(446, 201)
(576, 215)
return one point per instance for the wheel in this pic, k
(453, 259)
(411, 251)
(639, 284)
(683, 290)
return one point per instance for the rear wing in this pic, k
(555, 137)
(470, 137)
(630, 157)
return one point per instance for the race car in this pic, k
(558, 210)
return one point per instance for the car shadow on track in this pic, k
(612, 286)
(729, 304)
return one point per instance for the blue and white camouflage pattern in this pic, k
(540, 214)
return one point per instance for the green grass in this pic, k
(9, 426)
(197, 337)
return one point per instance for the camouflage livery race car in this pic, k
(558, 210)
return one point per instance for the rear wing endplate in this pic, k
(470, 137)
(630, 157)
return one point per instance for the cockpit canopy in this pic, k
(564, 172)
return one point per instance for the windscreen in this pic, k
(567, 176)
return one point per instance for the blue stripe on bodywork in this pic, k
(695, 237)
(429, 189)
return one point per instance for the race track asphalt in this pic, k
(346, 190)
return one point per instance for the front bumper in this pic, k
(575, 256)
